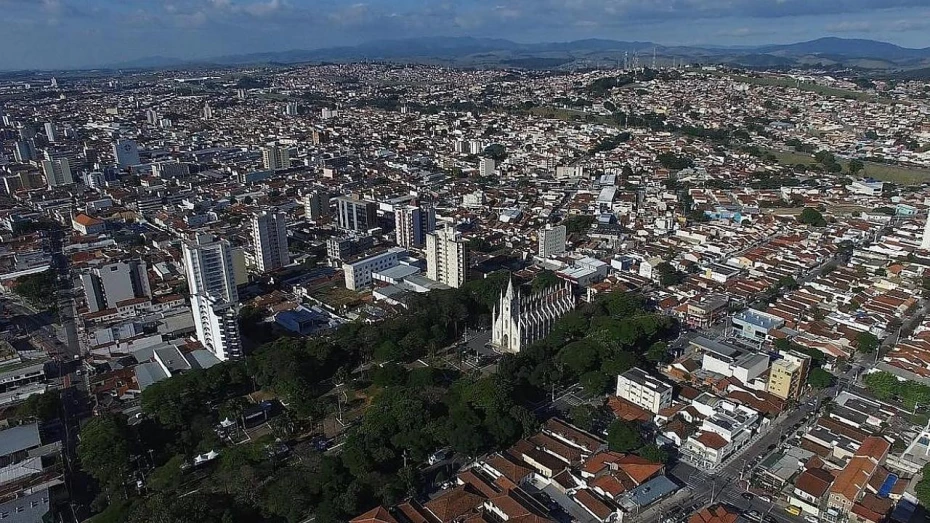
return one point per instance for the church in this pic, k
(521, 320)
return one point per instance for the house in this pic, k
(87, 225)
(22, 453)
(852, 481)
(810, 488)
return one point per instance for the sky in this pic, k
(64, 34)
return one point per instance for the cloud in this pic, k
(850, 27)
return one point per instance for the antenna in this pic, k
(653, 58)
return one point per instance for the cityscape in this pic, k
(644, 289)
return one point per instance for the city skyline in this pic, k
(66, 34)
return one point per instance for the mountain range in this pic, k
(467, 51)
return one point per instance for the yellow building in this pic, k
(788, 374)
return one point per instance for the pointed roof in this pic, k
(375, 515)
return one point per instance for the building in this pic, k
(292, 109)
(269, 236)
(316, 205)
(341, 249)
(413, 223)
(275, 157)
(706, 311)
(358, 273)
(755, 325)
(644, 390)
(87, 225)
(207, 112)
(486, 167)
(170, 169)
(126, 153)
(57, 172)
(356, 215)
(551, 241)
(851, 482)
(107, 285)
(446, 257)
(788, 375)
(925, 241)
(208, 264)
(520, 320)
(51, 132)
(24, 151)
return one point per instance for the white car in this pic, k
(811, 519)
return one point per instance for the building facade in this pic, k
(208, 265)
(126, 153)
(520, 320)
(446, 257)
(107, 285)
(788, 375)
(269, 235)
(644, 390)
(358, 273)
(316, 205)
(275, 157)
(356, 215)
(551, 241)
(57, 172)
(413, 223)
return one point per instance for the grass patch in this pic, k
(889, 173)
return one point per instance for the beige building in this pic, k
(446, 257)
(788, 375)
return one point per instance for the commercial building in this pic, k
(356, 215)
(788, 375)
(446, 257)
(316, 205)
(413, 223)
(551, 241)
(107, 285)
(170, 169)
(520, 320)
(644, 390)
(706, 311)
(51, 132)
(57, 172)
(208, 264)
(486, 167)
(275, 157)
(358, 273)
(269, 235)
(341, 249)
(126, 153)
(755, 325)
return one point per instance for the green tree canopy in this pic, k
(866, 342)
(104, 451)
(811, 216)
(819, 378)
(624, 436)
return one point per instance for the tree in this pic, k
(819, 378)
(866, 342)
(855, 166)
(653, 453)
(624, 436)
(38, 289)
(658, 352)
(883, 385)
(595, 382)
(811, 216)
(578, 223)
(105, 452)
(42, 407)
(668, 275)
(167, 477)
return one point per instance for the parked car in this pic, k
(747, 495)
(766, 499)
(811, 519)
(439, 455)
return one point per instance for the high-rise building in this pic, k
(51, 133)
(207, 112)
(269, 235)
(106, 286)
(291, 109)
(316, 205)
(356, 215)
(446, 257)
(126, 153)
(24, 151)
(57, 172)
(151, 116)
(208, 265)
(551, 241)
(275, 157)
(518, 320)
(486, 167)
(788, 375)
(413, 223)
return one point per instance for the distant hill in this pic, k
(837, 52)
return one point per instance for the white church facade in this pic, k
(520, 320)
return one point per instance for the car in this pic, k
(765, 499)
(747, 495)
(439, 455)
(771, 447)
(754, 514)
(811, 519)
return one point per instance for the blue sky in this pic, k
(79, 33)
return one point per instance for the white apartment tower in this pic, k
(208, 265)
(413, 223)
(446, 257)
(275, 157)
(269, 235)
(551, 241)
(519, 321)
(644, 390)
(486, 167)
(57, 172)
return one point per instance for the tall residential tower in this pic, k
(208, 264)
